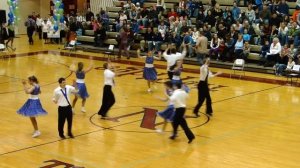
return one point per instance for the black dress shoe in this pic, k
(62, 136)
(197, 115)
(71, 135)
(191, 140)
(173, 137)
(210, 114)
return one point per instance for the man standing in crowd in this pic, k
(201, 47)
(30, 24)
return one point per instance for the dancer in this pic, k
(150, 73)
(11, 36)
(83, 94)
(62, 99)
(203, 90)
(172, 58)
(179, 97)
(33, 106)
(176, 75)
(108, 99)
(169, 112)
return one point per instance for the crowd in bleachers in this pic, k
(233, 31)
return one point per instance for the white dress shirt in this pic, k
(39, 21)
(60, 98)
(109, 77)
(172, 58)
(204, 71)
(275, 49)
(178, 98)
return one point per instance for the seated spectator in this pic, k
(250, 13)
(239, 47)
(265, 14)
(122, 21)
(100, 36)
(104, 18)
(157, 40)
(210, 19)
(172, 13)
(275, 50)
(263, 52)
(236, 11)
(282, 61)
(188, 40)
(175, 39)
(149, 37)
(195, 35)
(135, 27)
(283, 33)
(160, 5)
(283, 8)
(143, 20)
(214, 46)
(217, 12)
(162, 28)
(290, 64)
(222, 31)
(228, 49)
(274, 33)
(246, 50)
(246, 36)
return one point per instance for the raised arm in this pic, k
(91, 66)
(27, 89)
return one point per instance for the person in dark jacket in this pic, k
(100, 36)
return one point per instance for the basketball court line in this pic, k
(108, 128)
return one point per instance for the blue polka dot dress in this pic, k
(33, 106)
(149, 70)
(82, 93)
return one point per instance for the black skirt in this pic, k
(11, 33)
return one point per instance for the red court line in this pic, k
(137, 63)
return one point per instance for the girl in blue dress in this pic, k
(177, 69)
(82, 93)
(33, 106)
(169, 112)
(150, 73)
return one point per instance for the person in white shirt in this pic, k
(62, 99)
(178, 98)
(45, 29)
(203, 90)
(39, 22)
(108, 99)
(172, 58)
(274, 54)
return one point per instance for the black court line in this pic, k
(87, 133)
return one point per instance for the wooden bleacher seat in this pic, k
(113, 9)
(168, 5)
(113, 15)
(111, 41)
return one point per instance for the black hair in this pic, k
(178, 85)
(80, 66)
(168, 84)
(33, 79)
(60, 80)
(105, 65)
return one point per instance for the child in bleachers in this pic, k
(246, 36)
(246, 50)
(263, 53)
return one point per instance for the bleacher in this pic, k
(111, 36)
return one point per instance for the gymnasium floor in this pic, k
(255, 123)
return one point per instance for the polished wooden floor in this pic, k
(255, 123)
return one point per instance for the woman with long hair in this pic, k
(33, 106)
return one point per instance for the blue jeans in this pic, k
(158, 45)
(200, 58)
(296, 41)
(279, 68)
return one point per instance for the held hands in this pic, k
(24, 82)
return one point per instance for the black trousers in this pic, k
(64, 113)
(203, 93)
(39, 30)
(170, 75)
(108, 100)
(180, 120)
(30, 32)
